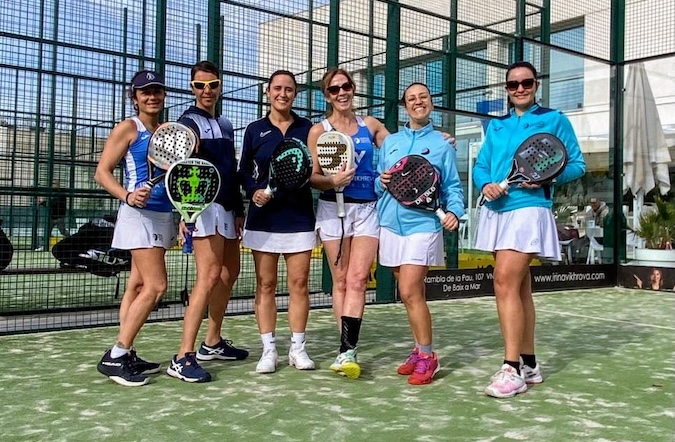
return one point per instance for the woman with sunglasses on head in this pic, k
(278, 224)
(355, 241)
(412, 240)
(518, 225)
(144, 225)
(216, 235)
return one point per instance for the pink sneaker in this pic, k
(408, 367)
(506, 383)
(425, 369)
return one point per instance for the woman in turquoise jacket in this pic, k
(412, 240)
(518, 224)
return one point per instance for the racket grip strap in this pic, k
(187, 245)
(440, 214)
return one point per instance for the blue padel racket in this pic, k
(334, 149)
(538, 160)
(170, 143)
(192, 185)
(415, 184)
(290, 166)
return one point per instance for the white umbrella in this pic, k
(645, 152)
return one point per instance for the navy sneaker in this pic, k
(224, 350)
(142, 366)
(121, 370)
(187, 369)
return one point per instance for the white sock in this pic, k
(297, 338)
(268, 340)
(117, 351)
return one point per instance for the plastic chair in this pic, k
(594, 248)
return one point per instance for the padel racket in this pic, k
(415, 184)
(290, 166)
(334, 149)
(192, 185)
(171, 142)
(538, 160)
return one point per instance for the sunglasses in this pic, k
(513, 85)
(211, 84)
(334, 90)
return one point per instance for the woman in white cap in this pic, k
(144, 225)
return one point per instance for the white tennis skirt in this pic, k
(279, 242)
(143, 229)
(422, 249)
(215, 219)
(526, 230)
(360, 220)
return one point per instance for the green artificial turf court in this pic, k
(607, 355)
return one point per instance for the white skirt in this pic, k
(422, 249)
(279, 242)
(143, 229)
(360, 220)
(215, 219)
(526, 230)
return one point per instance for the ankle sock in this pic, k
(529, 360)
(514, 364)
(268, 340)
(297, 338)
(426, 349)
(118, 351)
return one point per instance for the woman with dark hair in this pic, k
(282, 224)
(361, 228)
(412, 240)
(144, 225)
(518, 225)
(216, 235)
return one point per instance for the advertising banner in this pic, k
(461, 283)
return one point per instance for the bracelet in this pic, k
(126, 200)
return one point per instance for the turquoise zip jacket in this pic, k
(502, 138)
(430, 144)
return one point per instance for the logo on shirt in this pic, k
(263, 134)
(145, 137)
(426, 151)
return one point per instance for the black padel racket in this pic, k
(290, 166)
(333, 149)
(192, 185)
(415, 184)
(538, 160)
(171, 142)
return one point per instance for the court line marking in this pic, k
(598, 318)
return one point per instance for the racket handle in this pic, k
(267, 191)
(483, 199)
(440, 214)
(340, 200)
(153, 182)
(187, 246)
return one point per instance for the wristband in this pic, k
(126, 200)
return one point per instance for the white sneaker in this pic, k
(268, 361)
(531, 375)
(298, 357)
(506, 383)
